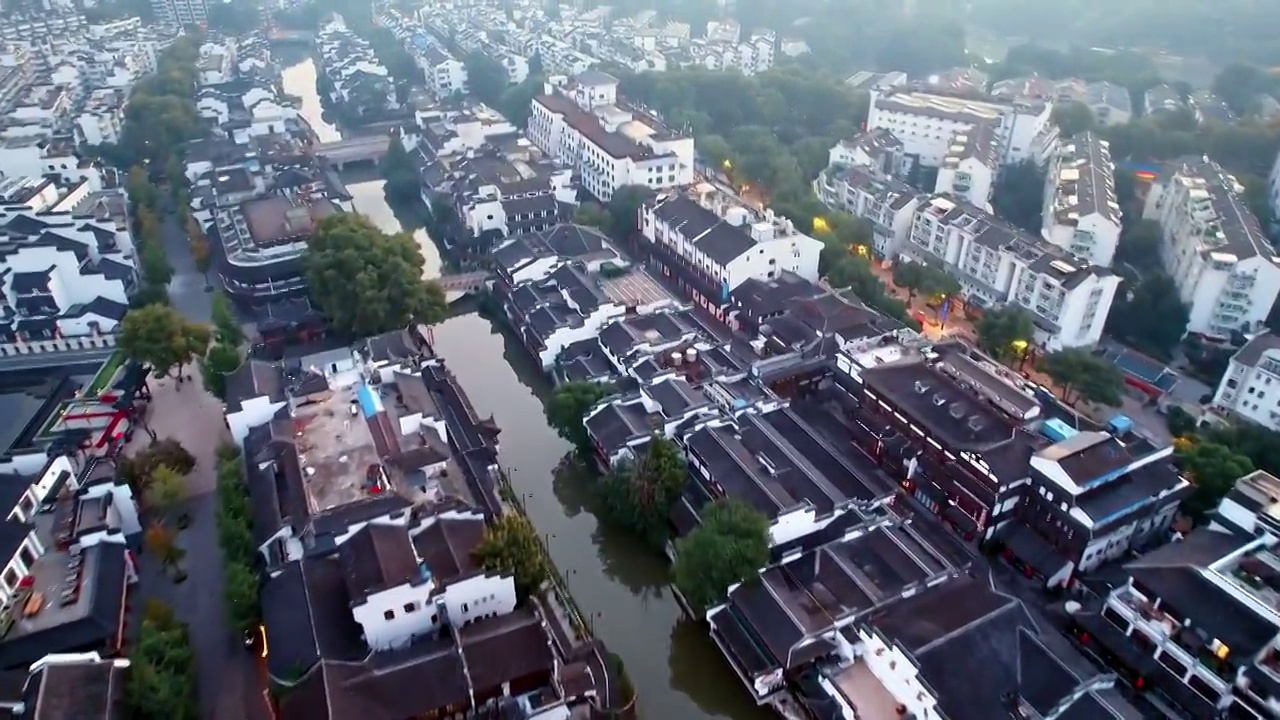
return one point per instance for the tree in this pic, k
(157, 335)
(1213, 469)
(1139, 245)
(486, 78)
(221, 361)
(1151, 317)
(716, 151)
(240, 591)
(366, 281)
(1073, 118)
(516, 104)
(1240, 84)
(568, 405)
(226, 327)
(730, 546)
(624, 209)
(201, 253)
(511, 546)
(1089, 376)
(593, 215)
(165, 489)
(640, 495)
(1004, 332)
(162, 542)
(404, 185)
(142, 194)
(536, 68)
(1019, 195)
(1180, 422)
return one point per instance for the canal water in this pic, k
(618, 582)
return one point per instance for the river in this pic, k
(622, 585)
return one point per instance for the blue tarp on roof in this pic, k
(1143, 368)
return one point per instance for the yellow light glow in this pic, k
(1019, 345)
(727, 164)
(820, 225)
(262, 633)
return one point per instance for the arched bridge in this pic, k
(362, 148)
(465, 282)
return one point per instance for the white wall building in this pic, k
(926, 124)
(709, 245)
(1213, 248)
(581, 125)
(1081, 214)
(998, 264)
(970, 166)
(1250, 388)
(890, 205)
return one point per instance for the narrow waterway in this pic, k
(677, 671)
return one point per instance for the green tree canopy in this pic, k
(511, 546)
(567, 406)
(1073, 118)
(1083, 375)
(640, 495)
(516, 104)
(486, 78)
(1000, 330)
(366, 281)
(1151, 317)
(1213, 469)
(226, 327)
(1019, 195)
(159, 336)
(730, 546)
(404, 185)
(624, 209)
(1139, 245)
(593, 215)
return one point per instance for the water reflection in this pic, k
(698, 670)
(299, 80)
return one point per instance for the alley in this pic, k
(228, 676)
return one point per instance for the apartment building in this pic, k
(582, 124)
(1226, 271)
(101, 117)
(890, 205)
(709, 245)
(181, 12)
(1081, 214)
(1254, 371)
(998, 264)
(1162, 100)
(880, 151)
(970, 167)
(926, 123)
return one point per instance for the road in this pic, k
(35, 361)
(187, 290)
(227, 675)
(230, 680)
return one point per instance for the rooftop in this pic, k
(277, 220)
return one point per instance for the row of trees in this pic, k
(161, 114)
(235, 536)
(403, 187)
(162, 677)
(510, 545)
(224, 355)
(159, 336)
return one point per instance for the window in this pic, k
(435, 618)
(1203, 688)
(28, 556)
(465, 607)
(1115, 618)
(1142, 642)
(411, 607)
(389, 615)
(1168, 660)
(10, 578)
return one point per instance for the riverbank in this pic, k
(619, 584)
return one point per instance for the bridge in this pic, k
(277, 35)
(468, 282)
(362, 148)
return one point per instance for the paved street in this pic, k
(187, 289)
(228, 676)
(92, 358)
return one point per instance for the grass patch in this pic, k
(106, 373)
